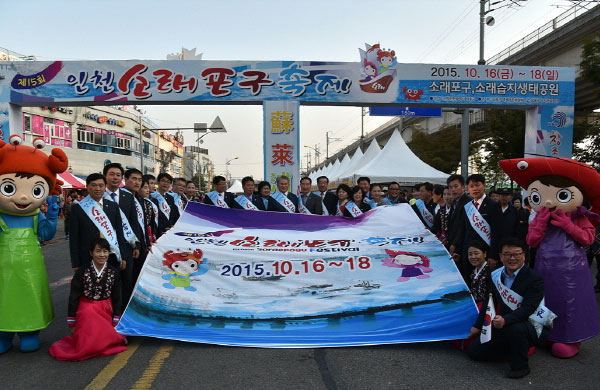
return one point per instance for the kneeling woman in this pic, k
(94, 310)
(480, 279)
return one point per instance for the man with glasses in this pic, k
(518, 291)
(394, 195)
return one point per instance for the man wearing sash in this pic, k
(218, 196)
(133, 182)
(424, 207)
(151, 180)
(248, 200)
(518, 293)
(286, 201)
(328, 198)
(456, 185)
(167, 215)
(95, 217)
(177, 192)
(114, 178)
(481, 219)
(309, 203)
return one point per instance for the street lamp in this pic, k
(227, 168)
(317, 152)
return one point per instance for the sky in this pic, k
(420, 31)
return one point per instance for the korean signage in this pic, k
(376, 79)
(281, 142)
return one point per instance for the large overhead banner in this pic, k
(263, 279)
(377, 79)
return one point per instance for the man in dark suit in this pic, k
(328, 198)
(164, 185)
(510, 215)
(114, 178)
(84, 231)
(310, 201)
(490, 211)
(456, 184)
(251, 197)
(283, 185)
(512, 332)
(426, 195)
(219, 187)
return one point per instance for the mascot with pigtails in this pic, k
(27, 177)
(557, 189)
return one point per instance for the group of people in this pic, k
(112, 229)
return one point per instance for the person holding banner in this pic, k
(309, 203)
(346, 207)
(247, 201)
(376, 196)
(191, 193)
(328, 198)
(165, 203)
(518, 292)
(365, 185)
(177, 192)
(218, 196)
(480, 219)
(424, 206)
(394, 197)
(286, 201)
(150, 226)
(456, 184)
(443, 199)
(265, 202)
(95, 217)
(480, 278)
(358, 196)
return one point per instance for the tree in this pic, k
(441, 149)
(589, 149)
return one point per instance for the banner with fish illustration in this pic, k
(266, 279)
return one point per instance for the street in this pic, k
(164, 364)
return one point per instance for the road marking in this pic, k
(112, 368)
(65, 280)
(149, 375)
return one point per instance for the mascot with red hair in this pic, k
(27, 177)
(557, 189)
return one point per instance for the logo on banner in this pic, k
(181, 266)
(413, 265)
(559, 119)
(377, 68)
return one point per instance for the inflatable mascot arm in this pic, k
(27, 177)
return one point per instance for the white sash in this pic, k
(542, 315)
(301, 207)
(243, 201)
(139, 212)
(426, 214)
(93, 210)
(178, 201)
(479, 224)
(155, 210)
(284, 201)
(130, 236)
(216, 199)
(162, 203)
(325, 211)
(353, 209)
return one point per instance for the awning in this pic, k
(71, 181)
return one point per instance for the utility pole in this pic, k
(328, 140)
(141, 145)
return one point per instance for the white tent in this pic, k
(397, 162)
(331, 169)
(352, 166)
(372, 151)
(236, 187)
(341, 168)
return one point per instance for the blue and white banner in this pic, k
(265, 279)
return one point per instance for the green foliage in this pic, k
(590, 60)
(441, 150)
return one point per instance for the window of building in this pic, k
(27, 123)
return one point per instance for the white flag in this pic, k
(486, 329)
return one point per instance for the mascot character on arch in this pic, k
(27, 177)
(557, 189)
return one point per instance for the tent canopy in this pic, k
(236, 187)
(71, 181)
(397, 162)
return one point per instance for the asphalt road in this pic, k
(163, 364)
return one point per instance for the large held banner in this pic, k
(267, 279)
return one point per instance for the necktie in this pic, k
(476, 203)
(322, 195)
(113, 196)
(266, 202)
(304, 199)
